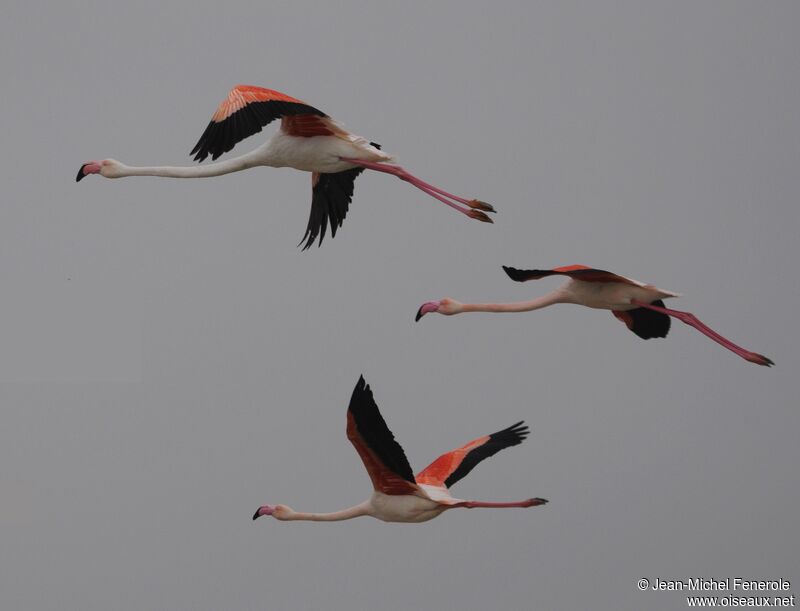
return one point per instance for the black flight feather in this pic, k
(221, 137)
(512, 436)
(373, 430)
(330, 201)
(648, 324)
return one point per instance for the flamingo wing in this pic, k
(645, 323)
(451, 467)
(330, 200)
(243, 113)
(382, 456)
(307, 125)
(577, 272)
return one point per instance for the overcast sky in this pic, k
(170, 360)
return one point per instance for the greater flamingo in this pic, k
(638, 305)
(308, 140)
(398, 495)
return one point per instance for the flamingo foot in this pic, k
(759, 359)
(479, 216)
(479, 205)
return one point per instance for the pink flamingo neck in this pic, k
(336, 516)
(237, 164)
(517, 306)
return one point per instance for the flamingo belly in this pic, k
(404, 508)
(321, 154)
(612, 295)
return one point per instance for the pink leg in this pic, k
(472, 203)
(526, 503)
(691, 320)
(475, 206)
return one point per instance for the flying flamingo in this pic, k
(398, 495)
(308, 140)
(638, 305)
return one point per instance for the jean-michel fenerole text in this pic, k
(722, 585)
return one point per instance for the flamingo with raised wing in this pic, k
(399, 495)
(308, 140)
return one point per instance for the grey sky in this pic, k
(170, 360)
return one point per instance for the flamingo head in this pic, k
(445, 306)
(105, 167)
(279, 512)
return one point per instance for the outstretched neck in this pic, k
(220, 168)
(345, 514)
(556, 296)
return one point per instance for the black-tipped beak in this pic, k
(419, 314)
(81, 175)
(256, 514)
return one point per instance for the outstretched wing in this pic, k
(451, 467)
(645, 323)
(577, 272)
(243, 113)
(330, 201)
(383, 457)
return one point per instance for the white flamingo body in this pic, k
(610, 295)
(404, 508)
(321, 154)
(426, 504)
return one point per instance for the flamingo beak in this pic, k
(265, 510)
(425, 308)
(93, 167)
